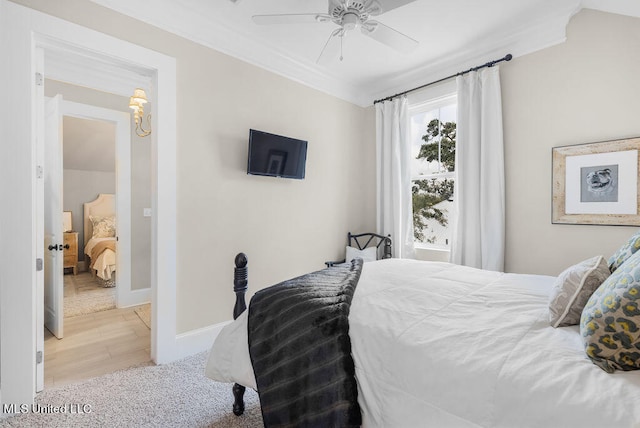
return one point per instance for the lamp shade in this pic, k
(139, 96)
(133, 104)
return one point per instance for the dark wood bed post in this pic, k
(240, 288)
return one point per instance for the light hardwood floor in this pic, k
(95, 344)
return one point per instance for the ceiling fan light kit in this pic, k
(350, 15)
(350, 21)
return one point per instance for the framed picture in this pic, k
(276, 162)
(597, 183)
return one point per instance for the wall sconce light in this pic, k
(136, 103)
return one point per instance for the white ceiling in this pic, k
(453, 35)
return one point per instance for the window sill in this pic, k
(432, 254)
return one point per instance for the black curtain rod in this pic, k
(507, 57)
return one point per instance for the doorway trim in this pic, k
(23, 30)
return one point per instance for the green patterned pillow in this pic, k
(610, 321)
(632, 245)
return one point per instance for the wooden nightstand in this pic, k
(71, 251)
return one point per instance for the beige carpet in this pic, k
(144, 313)
(84, 294)
(168, 395)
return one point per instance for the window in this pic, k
(433, 141)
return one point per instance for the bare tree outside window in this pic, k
(433, 175)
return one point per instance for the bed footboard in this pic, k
(240, 288)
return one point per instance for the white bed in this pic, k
(104, 264)
(440, 345)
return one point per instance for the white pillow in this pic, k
(367, 255)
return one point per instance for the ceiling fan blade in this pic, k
(388, 36)
(387, 5)
(332, 47)
(296, 18)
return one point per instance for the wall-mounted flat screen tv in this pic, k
(275, 155)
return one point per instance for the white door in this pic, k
(53, 238)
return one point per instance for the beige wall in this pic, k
(286, 227)
(584, 90)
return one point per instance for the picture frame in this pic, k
(276, 162)
(596, 183)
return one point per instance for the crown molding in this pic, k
(179, 18)
(520, 42)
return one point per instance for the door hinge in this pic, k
(39, 357)
(38, 265)
(39, 171)
(39, 79)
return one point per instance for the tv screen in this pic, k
(275, 155)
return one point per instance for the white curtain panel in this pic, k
(393, 149)
(478, 236)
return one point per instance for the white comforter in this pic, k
(439, 345)
(105, 264)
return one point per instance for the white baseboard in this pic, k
(195, 341)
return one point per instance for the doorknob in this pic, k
(66, 246)
(53, 247)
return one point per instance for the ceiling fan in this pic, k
(349, 15)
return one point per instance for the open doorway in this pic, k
(100, 58)
(106, 317)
